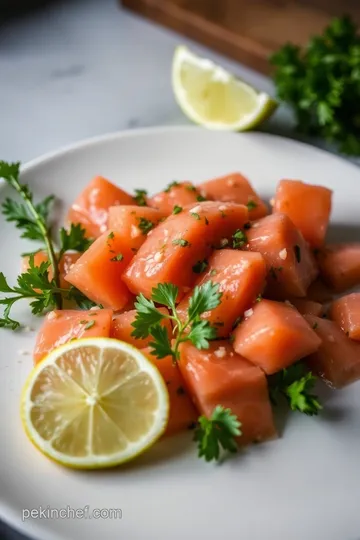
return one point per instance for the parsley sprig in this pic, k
(295, 385)
(34, 284)
(148, 318)
(216, 433)
(33, 221)
(29, 217)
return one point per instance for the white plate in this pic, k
(305, 485)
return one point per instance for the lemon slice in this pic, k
(212, 97)
(94, 403)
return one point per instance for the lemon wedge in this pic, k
(212, 97)
(94, 403)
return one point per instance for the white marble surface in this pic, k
(80, 68)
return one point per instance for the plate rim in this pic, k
(7, 514)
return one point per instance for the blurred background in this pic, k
(72, 69)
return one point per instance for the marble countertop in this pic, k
(80, 68)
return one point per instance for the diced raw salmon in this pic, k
(303, 305)
(92, 205)
(307, 206)
(183, 414)
(67, 261)
(176, 245)
(274, 336)
(241, 278)
(61, 326)
(289, 260)
(122, 328)
(98, 272)
(340, 265)
(133, 223)
(234, 188)
(346, 313)
(219, 376)
(337, 360)
(176, 194)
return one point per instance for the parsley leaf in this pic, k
(170, 186)
(204, 298)
(177, 209)
(251, 205)
(181, 242)
(295, 385)
(147, 321)
(239, 239)
(165, 294)
(218, 431)
(145, 225)
(161, 346)
(140, 197)
(147, 316)
(34, 284)
(200, 333)
(200, 266)
(74, 239)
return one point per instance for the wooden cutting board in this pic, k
(246, 30)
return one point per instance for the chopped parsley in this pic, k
(181, 242)
(118, 257)
(200, 198)
(145, 225)
(200, 266)
(177, 209)
(239, 239)
(195, 215)
(170, 186)
(251, 205)
(140, 197)
(191, 188)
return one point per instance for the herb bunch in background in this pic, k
(322, 84)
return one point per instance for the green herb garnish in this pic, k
(321, 84)
(140, 197)
(295, 385)
(216, 433)
(148, 318)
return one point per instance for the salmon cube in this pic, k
(97, 273)
(61, 326)
(234, 188)
(289, 260)
(122, 328)
(302, 201)
(182, 414)
(241, 278)
(219, 376)
(346, 313)
(340, 265)
(337, 361)
(133, 223)
(305, 306)
(274, 336)
(177, 244)
(176, 194)
(91, 207)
